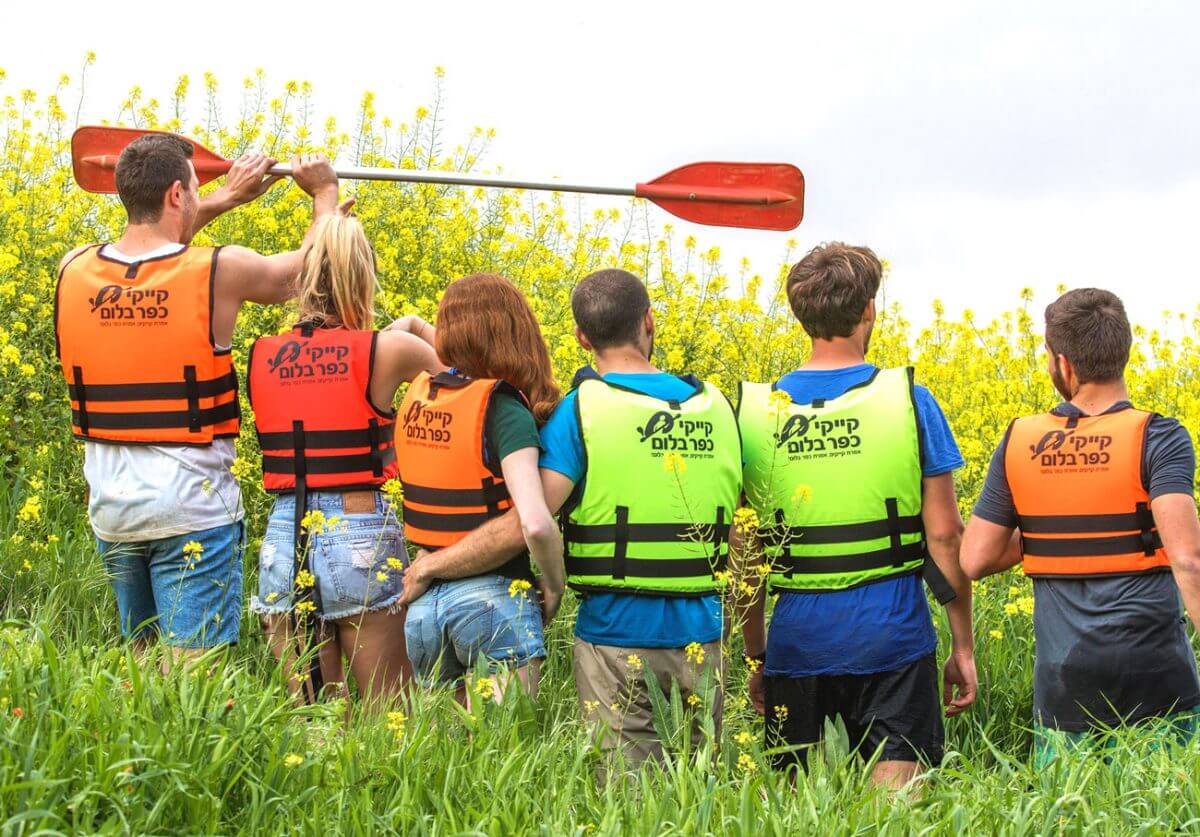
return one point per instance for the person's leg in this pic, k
(373, 643)
(696, 670)
(901, 716)
(287, 647)
(612, 695)
(197, 580)
(128, 569)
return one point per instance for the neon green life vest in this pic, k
(836, 484)
(663, 480)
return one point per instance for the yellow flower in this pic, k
(394, 491)
(802, 494)
(305, 608)
(1011, 609)
(747, 763)
(396, 722)
(395, 563)
(673, 463)
(996, 634)
(31, 510)
(304, 580)
(745, 521)
(240, 468)
(27, 369)
(590, 707)
(485, 687)
(752, 664)
(744, 739)
(1025, 603)
(272, 596)
(518, 587)
(778, 401)
(634, 662)
(1013, 591)
(723, 577)
(694, 653)
(381, 576)
(313, 522)
(293, 760)
(781, 712)
(694, 700)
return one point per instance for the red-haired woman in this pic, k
(467, 446)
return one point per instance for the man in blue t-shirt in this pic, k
(621, 638)
(865, 653)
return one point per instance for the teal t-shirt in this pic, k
(624, 619)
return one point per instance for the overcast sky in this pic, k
(981, 147)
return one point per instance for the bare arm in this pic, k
(247, 180)
(399, 357)
(943, 534)
(485, 548)
(1175, 517)
(988, 548)
(246, 276)
(520, 469)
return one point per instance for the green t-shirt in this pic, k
(510, 427)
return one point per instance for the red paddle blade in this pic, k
(761, 196)
(96, 148)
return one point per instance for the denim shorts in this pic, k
(353, 559)
(191, 599)
(456, 622)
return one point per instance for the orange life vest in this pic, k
(136, 346)
(1081, 504)
(449, 489)
(310, 390)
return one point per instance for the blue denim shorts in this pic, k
(457, 622)
(191, 599)
(354, 558)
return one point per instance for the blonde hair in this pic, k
(337, 282)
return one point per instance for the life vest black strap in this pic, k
(1094, 546)
(720, 534)
(791, 565)
(781, 534)
(377, 462)
(579, 565)
(489, 495)
(491, 498)
(334, 464)
(159, 420)
(634, 532)
(193, 398)
(301, 543)
(357, 438)
(893, 524)
(620, 555)
(80, 394)
(1079, 524)
(937, 582)
(174, 391)
(1147, 533)
(445, 522)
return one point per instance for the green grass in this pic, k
(104, 743)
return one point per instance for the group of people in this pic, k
(677, 511)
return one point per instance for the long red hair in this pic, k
(486, 329)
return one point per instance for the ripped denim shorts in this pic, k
(357, 557)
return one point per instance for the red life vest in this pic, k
(136, 347)
(310, 390)
(1077, 486)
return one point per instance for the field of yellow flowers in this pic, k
(91, 739)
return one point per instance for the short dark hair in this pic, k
(1089, 327)
(830, 287)
(145, 171)
(609, 306)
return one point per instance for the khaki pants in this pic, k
(612, 692)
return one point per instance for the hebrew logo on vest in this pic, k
(427, 425)
(668, 432)
(304, 361)
(806, 437)
(114, 303)
(1069, 449)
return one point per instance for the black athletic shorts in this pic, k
(899, 710)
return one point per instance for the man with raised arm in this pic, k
(144, 329)
(850, 469)
(646, 468)
(1100, 495)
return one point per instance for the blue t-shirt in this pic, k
(877, 627)
(623, 619)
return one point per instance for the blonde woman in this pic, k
(333, 555)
